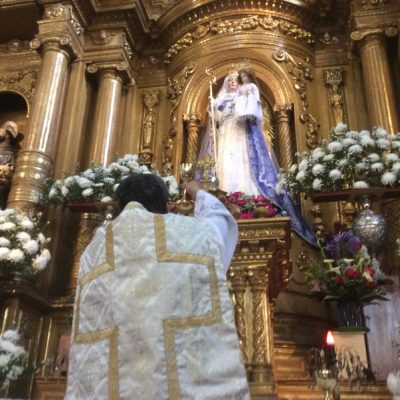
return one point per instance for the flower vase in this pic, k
(235, 210)
(262, 211)
(351, 315)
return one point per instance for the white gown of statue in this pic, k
(233, 166)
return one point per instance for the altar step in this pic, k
(300, 390)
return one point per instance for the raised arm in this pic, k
(210, 208)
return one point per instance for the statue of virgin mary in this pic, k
(245, 162)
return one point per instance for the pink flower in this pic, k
(271, 210)
(260, 198)
(241, 203)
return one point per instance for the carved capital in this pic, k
(120, 70)
(62, 43)
(193, 120)
(282, 110)
(359, 35)
(333, 77)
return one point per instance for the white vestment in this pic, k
(153, 315)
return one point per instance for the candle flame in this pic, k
(330, 341)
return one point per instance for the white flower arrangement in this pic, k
(99, 184)
(22, 246)
(12, 358)
(347, 160)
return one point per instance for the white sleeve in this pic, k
(210, 208)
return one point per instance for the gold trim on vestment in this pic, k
(171, 325)
(102, 334)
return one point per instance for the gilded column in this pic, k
(282, 114)
(193, 124)
(104, 131)
(377, 78)
(111, 74)
(261, 361)
(238, 280)
(58, 44)
(151, 100)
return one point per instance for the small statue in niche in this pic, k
(9, 146)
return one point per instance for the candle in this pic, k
(329, 350)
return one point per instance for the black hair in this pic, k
(147, 189)
(250, 73)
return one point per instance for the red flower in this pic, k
(350, 272)
(241, 203)
(339, 279)
(260, 198)
(370, 284)
(236, 194)
(370, 271)
(246, 215)
(357, 274)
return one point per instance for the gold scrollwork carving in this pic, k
(312, 134)
(224, 26)
(373, 4)
(328, 39)
(102, 37)
(174, 92)
(76, 26)
(55, 11)
(128, 50)
(333, 79)
(300, 73)
(15, 46)
(23, 82)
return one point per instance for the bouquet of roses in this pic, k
(12, 358)
(345, 272)
(249, 205)
(349, 159)
(22, 244)
(98, 183)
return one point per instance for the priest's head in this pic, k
(146, 189)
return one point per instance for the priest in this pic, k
(153, 317)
